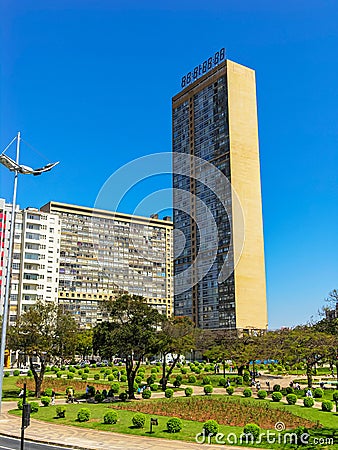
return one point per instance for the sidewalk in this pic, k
(86, 439)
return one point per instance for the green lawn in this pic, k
(327, 422)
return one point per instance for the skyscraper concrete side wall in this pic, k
(250, 288)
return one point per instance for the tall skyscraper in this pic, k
(219, 250)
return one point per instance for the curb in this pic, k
(47, 442)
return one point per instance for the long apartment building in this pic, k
(104, 253)
(35, 258)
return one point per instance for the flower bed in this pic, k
(226, 410)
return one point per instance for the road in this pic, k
(7, 443)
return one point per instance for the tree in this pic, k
(132, 333)
(176, 338)
(84, 343)
(43, 331)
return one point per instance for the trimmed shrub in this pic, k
(211, 427)
(58, 374)
(239, 380)
(115, 387)
(123, 378)
(246, 377)
(230, 390)
(110, 377)
(327, 405)
(154, 387)
(45, 400)
(261, 394)
(70, 376)
(179, 378)
(60, 411)
(34, 407)
(110, 417)
(153, 370)
(318, 393)
(146, 393)
(29, 373)
(335, 396)
(174, 425)
(99, 398)
(70, 369)
(184, 371)
(123, 396)
(291, 399)
(276, 388)
(208, 389)
(6, 374)
(168, 393)
(177, 383)
(188, 391)
(139, 420)
(20, 402)
(48, 392)
(97, 376)
(84, 377)
(16, 373)
(308, 402)
(151, 379)
(80, 372)
(191, 379)
(222, 382)
(83, 415)
(206, 380)
(276, 396)
(290, 390)
(251, 429)
(86, 370)
(247, 392)
(138, 379)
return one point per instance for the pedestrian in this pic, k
(87, 391)
(118, 376)
(309, 393)
(21, 392)
(53, 397)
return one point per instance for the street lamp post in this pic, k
(15, 167)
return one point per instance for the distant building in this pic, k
(35, 259)
(215, 120)
(105, 253)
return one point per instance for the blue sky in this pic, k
(90, 84)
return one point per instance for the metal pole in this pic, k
(8, 277)
(23, 418)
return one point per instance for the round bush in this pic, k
(291, 399)
(99, 398)
(29, 373)
(251, 429)
(289, 390)
(139, 420)
(154, 387)
(153, 370)
(48, 392)
(177, 383)
(211, 427)
(246, 377)
(174, 425)
(222, 382)
(123, 396)
(151, 379)
(80, 372)
(86, 370)
(335, 396)
(97, 376)
(239, 380)
(188, 391)
(16, 373)
(70, 376)
(230, 390)
(184, 371)
(71, 369)
(247, 392)
(318, 393)
(261, 394)
(45, 400)
(168, 393)
(83, 415)
(107, 372)
(206, 380)
(60, 411)
(276, 396)
(110, 417)
(146, 393)
(110, 377)
(308, 402)
(276, 387)
(138, 379)
(191, 379)
(58, 374)
(327, 405)
(84, 377)
(123, 378)
(115, 387)
(34, 407)
(208, 389)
